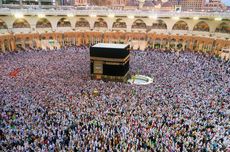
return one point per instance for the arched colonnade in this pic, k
(33, 40)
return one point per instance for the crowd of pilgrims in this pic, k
(51, 104)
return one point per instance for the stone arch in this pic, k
(63, 22)
(3, 24)
(139, 24)
(223, 28)
(157, 43)
(186, 44)
(82, 22)
(43, 23)
(6, 44)
(100, 23)
(159, 24)
(43, 37)
(21, 23)
(195, 43)
(27, 42)
(180, 25)
(119, 23)
(201, 26)
(164, 43)
(180, 44)
(172, 43)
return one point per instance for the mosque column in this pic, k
(87, 40)
(96, 40)
(23, 44)
(33, 27)
(161, 44)
(183, 45)
(200, 46)
(203, 46)
(153, 42)
(83, 40)
(20, 3)
(210, 47)
(110, 24)
(207, 47)
(106, 39)
(168, 44)
(191, 45)
(9, 45)
(73, 41)
(92, 40)
(63, 42)
(31, 42)
(213, 47)
(39, 3)
(197, 46)
(101, 40)
(129, 28)
(3, 47)
(76, 41)
(176, 44)
(67, 40)
(1, 51)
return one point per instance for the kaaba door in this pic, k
(98, 67)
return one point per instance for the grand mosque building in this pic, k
(114, 76)
(142, 24)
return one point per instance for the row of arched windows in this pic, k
(119, 23)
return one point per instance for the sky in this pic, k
(226, 2)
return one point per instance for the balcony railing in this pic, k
(9, 9)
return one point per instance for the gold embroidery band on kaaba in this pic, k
(110, 59)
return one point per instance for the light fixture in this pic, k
(111, 15)
(41, 15)
(93, 15)
(70, 15)
(218, 19)
(131, 17)
(18, 15)
(153, 17)
(196, 18)
(175, 18)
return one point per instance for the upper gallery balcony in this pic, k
(10, 9)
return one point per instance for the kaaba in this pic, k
(109, 61)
